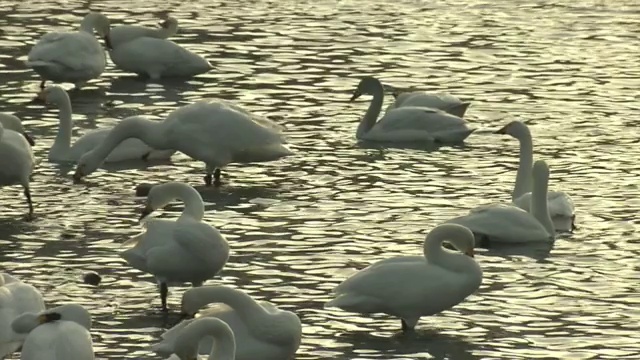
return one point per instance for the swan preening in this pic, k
(185, 250)
(509, 223)
(16, 298)
(216, 331)
(560, 205)
(409, 287)
(215, 132)
(74, 57)
(16, 160)
(444, 102)
(125, 33)
(60, 333)
(12, 122)
(63, 151)
(406, 123)
(261, 330)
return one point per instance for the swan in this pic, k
(74, 57)
(560, 204)
(61, 333)
(215, 132)
(216, 330)
(62, 151)
(12, 122)
(406, 123)
(177, 251)
(410, 287)
(16, 163)
(262, 331)
(509, 223)
(445, 102)
(16, 298)
(124, 33)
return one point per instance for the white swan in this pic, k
(214, 329)
(262, 331)
(410, 287)
(16, 162)
(16, 298)
(407, 123)
(510, 224)
(61, 333)
(74, 57)
(445, 102)
(12, 122)
(124, 33)
(215, 132)
(62, 151)
(560, 205)
(177, 251)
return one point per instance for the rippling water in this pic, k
(299, 226)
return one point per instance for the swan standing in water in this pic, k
(186, 347)
(262, 331)
(62, 151)
(510, 224)
(61, 333)
(410, 287)
(177, 251)
(560, 205)
(16, 298)
(445, 102)
(74, 57)
(12, 122)
(124, 33)
(406, 123)
(16, 162)
(215, 132)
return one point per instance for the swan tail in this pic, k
(458, 109)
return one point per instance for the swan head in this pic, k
(516, 129)
(161, 195)
(540, 171)
(12, 122)
(100, 23)
(456, 237)
(170, 24)
(367, 86)
(71, 312)
(54, 94)
(87, 164)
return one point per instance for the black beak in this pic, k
(145, 212)
(49, 317)
(107, 42)
(356, 95)
(185, 316)
(29, 139)
(502, 130)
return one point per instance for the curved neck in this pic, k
(523, 176)
(193, 204)
(371, 116)
(169, 31)
(539, 208)
(247, 308)
(224, 344)
(62, 142)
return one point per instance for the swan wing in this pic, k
(60, 340)
(419, 118)
(202, 241)
(71, 51)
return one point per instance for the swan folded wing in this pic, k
(160, 56)
(419, 118)
(201, 241)
(26, 298)
(74, 51)
(63, 340)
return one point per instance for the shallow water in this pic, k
(299, 226)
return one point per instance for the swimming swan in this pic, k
(410, 287)
(74, 57)
(445, 102)
(62, 151)
(215, 330)
(16, 298)
(61, 333)
(509, 223)
(215, 132)
(16, 163)
(177, 251)
(560, 204)
(12, 122)
(407, 123)
(124, 33)
(262, 331)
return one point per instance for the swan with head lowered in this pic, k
(445, 102)
(74, 57)
(560, 205)
(12, 122)
(510, 224)
(62, 151)
(215, 330)
(16, 161)
(261, 330)
(215, 132)
(177, 251)
(406, 123)
(16, 298)
(409, 287)
(125, 33)
(61, 333)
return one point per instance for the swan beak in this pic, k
(29, 139)
(145, 212)
(502, 130)
(46, 318)
(356, 95)
(470, 253)
(164, 24)
(107, 42)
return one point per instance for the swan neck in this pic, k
(433, 249)
(224, 342)
(371, 116)
(193, 204)
(247, 308)
(62, 142)
(149, 131)
(523, 176)
(539, 207)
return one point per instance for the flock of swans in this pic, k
(188, 250)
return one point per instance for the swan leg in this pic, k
(164, 292)
(27, 194)
(42, 83)
(216, 177)
(405, 326)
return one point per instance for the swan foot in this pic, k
(164, 292)
(27, 194)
